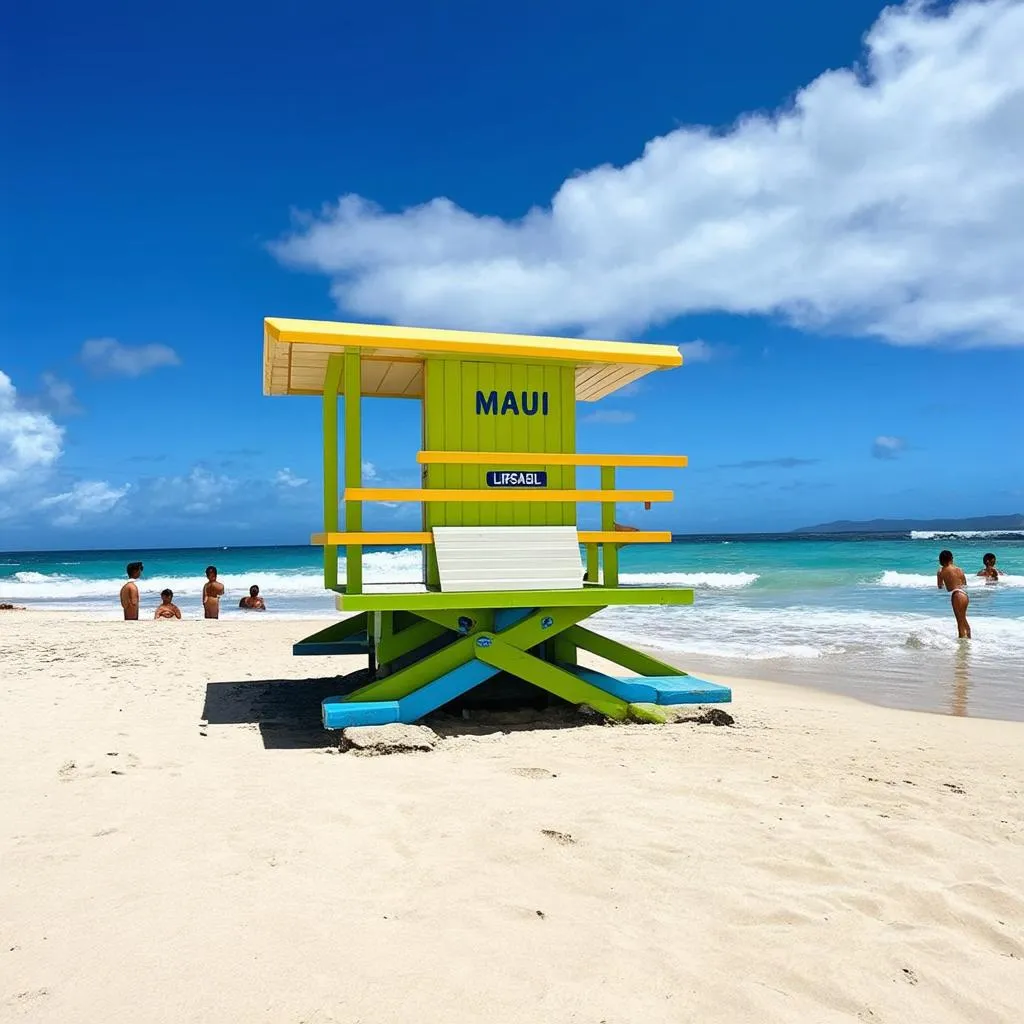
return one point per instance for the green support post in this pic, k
(396, 645)
(331, 382)
(593, 564)
(564, 651)
(353, 468)
(553, 679)
(383, 627)
(543, 624)
(482, 619)
(611, 551)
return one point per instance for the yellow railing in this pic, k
(550, 459)
(399, 539)
(601, 545)
(455, 494)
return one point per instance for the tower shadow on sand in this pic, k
(287, 712)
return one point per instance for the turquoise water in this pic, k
(855, 615)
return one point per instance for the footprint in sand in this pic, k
(22, 999)
(562, 838)
(534, 773)
(67, 769)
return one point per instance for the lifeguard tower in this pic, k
(505, 585)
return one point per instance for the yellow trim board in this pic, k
(285, 330)
(549, 459)
(384, 540)
(530, 494)
(625, 537)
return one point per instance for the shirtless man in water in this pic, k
(213, 590)
(253, 602)
(130, 591)
(952, 577)
(989, 570)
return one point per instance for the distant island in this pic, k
(979, 523)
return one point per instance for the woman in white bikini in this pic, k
(952, 577)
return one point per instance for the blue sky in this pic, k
(829, 226)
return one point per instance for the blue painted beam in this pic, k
(504, 618)
(689, 690)
(656, 689)
(338, 713)
(443, 689)
(633, 690)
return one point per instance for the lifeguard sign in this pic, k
(504, 584)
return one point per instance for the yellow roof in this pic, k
(295, 354)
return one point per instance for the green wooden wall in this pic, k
(451, 423)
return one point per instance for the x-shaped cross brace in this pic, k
(485, 648)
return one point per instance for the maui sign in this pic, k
(512, 403)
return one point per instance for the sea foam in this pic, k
(920, 581)
(701, 580)
(400, 568)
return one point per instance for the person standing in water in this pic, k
(130, 591)
(952, 577)
(213, 590)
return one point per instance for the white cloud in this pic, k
(108, 357)
(887, 447)
(30, 441)
(370, 471)
(610, 417)
(884, 200)
(286, 478)
(195, 493)
(86, 497)
(59, 396)
(698, 351)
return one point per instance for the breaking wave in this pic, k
(701, 580)
(967, 534)
(379, 567)
(803, 633)
(61, 588)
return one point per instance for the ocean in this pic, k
(858, 615)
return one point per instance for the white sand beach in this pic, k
(821, 860)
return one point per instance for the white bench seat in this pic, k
(484, 558)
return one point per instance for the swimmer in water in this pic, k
(989, 570)
(952, 577)
(253, 602)
(130, 591)
(213, 590)
(167, 609)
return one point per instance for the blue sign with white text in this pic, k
(516, 478)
